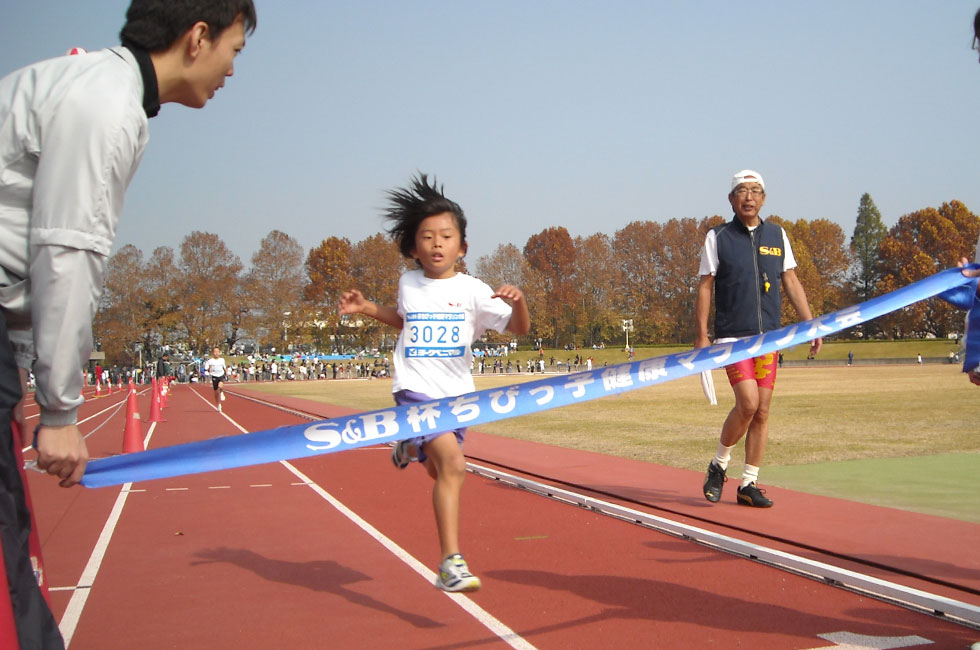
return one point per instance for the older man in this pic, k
(744, 264)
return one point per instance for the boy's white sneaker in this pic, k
(454, 575)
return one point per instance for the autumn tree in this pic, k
(506, 265)
(598, 278)
(551, 255)
(328, 276)
(682, 240)
(921, 244)
(123, 322)
(639, 260)
(825, 241)
(139, 309)
(822, 264)
(376, 266)
(162, 299)
(209, 288)
(273, 290)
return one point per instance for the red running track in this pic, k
(337, 551)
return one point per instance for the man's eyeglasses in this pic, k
(752, 191)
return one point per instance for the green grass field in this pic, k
(832, 350)
(904, 436)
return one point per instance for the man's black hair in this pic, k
(155, 25)
(976, 25)
(410, 206)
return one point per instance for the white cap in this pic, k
(747, 176)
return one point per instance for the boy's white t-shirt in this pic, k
(215, 367)
(442, 318)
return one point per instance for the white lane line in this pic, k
(884, 590)
(503, 632)
(219, 487)
(115, 406)
(75, 606)
(69, 621)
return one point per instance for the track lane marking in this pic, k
(487, 619)
(82, 589)
(484, 617)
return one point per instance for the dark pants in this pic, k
(36, 626)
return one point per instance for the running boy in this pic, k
(440, 313)
(215, 367)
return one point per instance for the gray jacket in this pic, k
(72, 133)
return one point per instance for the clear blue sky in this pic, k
(538, 113)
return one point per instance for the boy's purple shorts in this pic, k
(411, 397)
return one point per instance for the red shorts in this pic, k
(761, 369)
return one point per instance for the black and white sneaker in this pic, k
(714, 481)
(751, 495)
(400, 457)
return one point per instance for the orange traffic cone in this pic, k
(155, 415)
(164, 391)
(98, 389)
(133, 434)
(108, 387)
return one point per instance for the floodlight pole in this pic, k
(627, 327)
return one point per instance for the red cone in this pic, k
(155, 414)
(133, 434)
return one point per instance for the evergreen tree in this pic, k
(869, 231)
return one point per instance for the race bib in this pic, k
(431, 334)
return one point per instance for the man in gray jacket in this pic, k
(72, 132)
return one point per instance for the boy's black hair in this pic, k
(154, 25)
(410, 206)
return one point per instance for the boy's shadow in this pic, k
(322, 575)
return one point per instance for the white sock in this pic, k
(750, 474)
(723, 455)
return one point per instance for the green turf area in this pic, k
(832, 350)
(924, 421)
(947, 485)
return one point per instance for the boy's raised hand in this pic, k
(520, 319)
(351, 302)
(510, 293)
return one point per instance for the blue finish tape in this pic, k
(491, 405)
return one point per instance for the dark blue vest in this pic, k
(750, 264)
